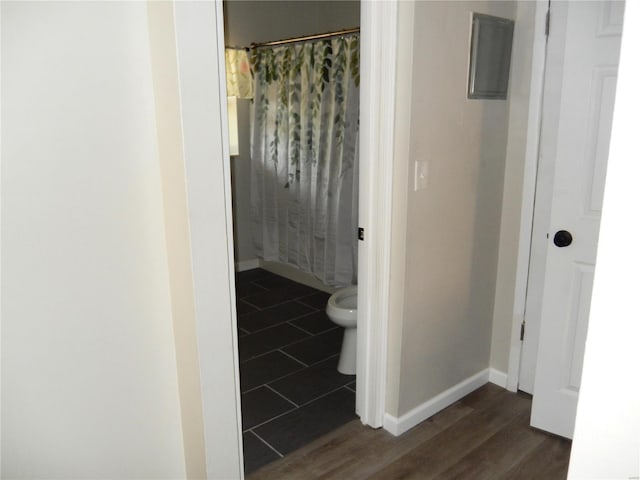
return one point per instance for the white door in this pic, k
(580, 82)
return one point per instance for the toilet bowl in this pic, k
(342, 309)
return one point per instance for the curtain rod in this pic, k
(308, 37)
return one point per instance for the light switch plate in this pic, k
(420, 175)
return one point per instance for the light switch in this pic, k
(420, 175)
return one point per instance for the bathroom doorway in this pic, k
(288, 349)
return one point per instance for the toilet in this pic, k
(342, 309)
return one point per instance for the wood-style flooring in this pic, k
(485, 435)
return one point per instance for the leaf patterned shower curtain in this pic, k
(304, 154)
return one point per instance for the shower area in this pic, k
(293, 85)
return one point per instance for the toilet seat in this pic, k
(343, 306)
(342, 309)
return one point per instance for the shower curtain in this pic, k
(304, 154)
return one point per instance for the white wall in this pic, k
(249, 22)
(89, 384)
(443, 330)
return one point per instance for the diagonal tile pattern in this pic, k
(316, 348)
(291, 390)
(263, 404)
(307, 384)
(291, 431)
(269, 317)
(269, 339)
(314, 323)
(267, 368)
(260, 452)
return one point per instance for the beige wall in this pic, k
(89, 384)
(249, 22)
(442, 328)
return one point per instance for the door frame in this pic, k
(530, 180)
(378, 57)
(541, 214)
(377, 98)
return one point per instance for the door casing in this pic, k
(530, 180)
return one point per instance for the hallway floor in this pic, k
(485, 435)
(292, 393)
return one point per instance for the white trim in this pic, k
(202, 88)
(377, 106)
(498, 378)
(528, 192)
(238, 448)
(243, 265)
(397, 426)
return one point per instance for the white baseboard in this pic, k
(247, 265)
(397, 426)
(498, 378)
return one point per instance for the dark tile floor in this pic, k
(291, 390)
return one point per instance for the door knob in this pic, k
(562, 238)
